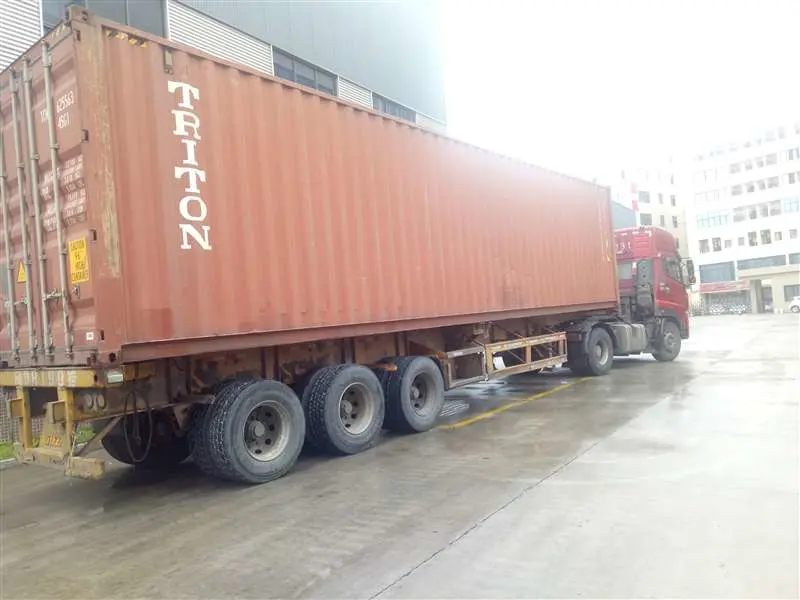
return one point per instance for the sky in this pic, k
(582, 86)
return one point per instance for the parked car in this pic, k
(794, 305)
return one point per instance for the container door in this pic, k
(47, 313)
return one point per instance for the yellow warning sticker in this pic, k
(78, 261)
(22, 276)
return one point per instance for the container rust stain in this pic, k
(226, 208)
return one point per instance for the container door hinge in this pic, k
(85, 135)
(167, 60)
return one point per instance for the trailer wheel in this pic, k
(252, 433)
(197, 439)
(598, 356)
(163, 451)
(414, 394)
(344, 408)
(670, 343)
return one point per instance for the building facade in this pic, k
(744, 222)
(655, 196)
(381, 55)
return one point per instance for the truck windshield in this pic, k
(624, 271)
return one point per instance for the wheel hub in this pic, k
(356, 408)
(420, 390)
(265, 432)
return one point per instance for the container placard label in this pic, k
(78, 261)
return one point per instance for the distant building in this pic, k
(382, 55)
(622, 216)
(654, 195)
(745, 218)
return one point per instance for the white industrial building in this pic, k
(655, 194)
(744, 219)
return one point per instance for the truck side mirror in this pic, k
(690, 271)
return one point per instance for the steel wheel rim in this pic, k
(356, 408)
(266, 431)
(669, 340)
(601, 353)
(421, 389)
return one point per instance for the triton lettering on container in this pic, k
(202, 259)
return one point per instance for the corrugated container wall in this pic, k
(205, 206)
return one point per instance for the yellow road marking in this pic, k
(500, 409)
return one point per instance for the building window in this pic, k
(735, 168)
(792, 178)
(662, 220)
(716, 244)
(672, 179)
(740, 241)
(778, 236)
(766, 236)
(394, 109)
(728, 244)
(760, 162)
(772, 158)
(717, 273)
(748, 165)
(672, 199)
(752, 238)
(293, 69)
(736, 190)
(645, 219)
(703, 246)
(677, 243)
(763, 210)
(790, 292)
(660, 198)
(793, 154)
(778, 260)
(791, 205)
(774, 208)
(793, 234)
(644, 197)
(675, 221)
(794, 258)
(772, 182)
(751, 187)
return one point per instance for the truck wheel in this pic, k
(670, 344)
(344, 408)
(598, 357)
(252, 433)
(414, 394)
(163, 451)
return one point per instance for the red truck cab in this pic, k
(648, 259)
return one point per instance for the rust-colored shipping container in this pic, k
(206, 207)
(201, 260)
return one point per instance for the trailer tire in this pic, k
(197, 439)
(670, 343)
(598, 357)
(252, 433)
(414, 394)
(344, 407)
(166, 449)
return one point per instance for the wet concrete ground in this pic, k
(676, 480)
